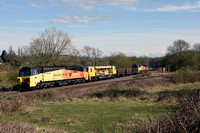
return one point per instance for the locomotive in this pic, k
(49, 76)
(42, 77)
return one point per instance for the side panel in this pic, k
(64, 74)
(91, 73)
(105, 71)
(52, 75)
(35, 79)
(71, 74)
(129, 71)
(86, 75)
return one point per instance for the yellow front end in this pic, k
(23, 81)
(29, 81)
(140, 69)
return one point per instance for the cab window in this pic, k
(34, 72)
(90, 69)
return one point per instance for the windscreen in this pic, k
(24, 72)
(135, 66)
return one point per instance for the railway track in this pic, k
(82, 86)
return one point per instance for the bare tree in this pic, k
(24, 54)
(92, 54)
(117, 53)
(23, 51)
(11, 51)
(49, 45)
(196, 47)
(71, 58)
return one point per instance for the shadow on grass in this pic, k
(118, 93)
(175, 94)
(167, 95)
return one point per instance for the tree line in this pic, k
(54, 47)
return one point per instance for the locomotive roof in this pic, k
(36, 67)
(101, 66)
(31, 67)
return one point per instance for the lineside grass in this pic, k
(170, 94)
(112, 110)
(92, 115)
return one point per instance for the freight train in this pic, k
(136, 69)
(46, 76)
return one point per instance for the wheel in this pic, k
(83, 80)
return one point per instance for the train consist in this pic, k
(43, 77)
(136, 69)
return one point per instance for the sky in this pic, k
(133, 27)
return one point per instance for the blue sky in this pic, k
(134, 27)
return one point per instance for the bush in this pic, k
(185, 119)
(186, 77)
(11, 77)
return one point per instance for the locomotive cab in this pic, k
(135, 69)
(29, 77)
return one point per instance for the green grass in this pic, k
(91, 115)
(8, 78)
(107, 111)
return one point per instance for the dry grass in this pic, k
(9, 107)
(15, 127)
(185, 119)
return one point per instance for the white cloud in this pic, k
(172, 8)
(77, 19)
(34, 5)
(88, 5)
(123, 2)
(85, 7)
